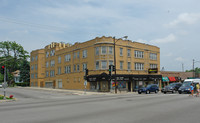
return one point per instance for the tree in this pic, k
(25, 71)
(12, 55)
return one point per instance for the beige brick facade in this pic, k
(62, 65)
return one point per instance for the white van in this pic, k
(192, 80)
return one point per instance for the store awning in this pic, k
(172, 79)
(165, 79)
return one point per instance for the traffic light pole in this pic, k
(4, 86)
(115, 66)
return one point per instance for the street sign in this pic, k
(85, 83)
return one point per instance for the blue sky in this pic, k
(172, 25)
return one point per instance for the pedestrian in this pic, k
(191, 89)
(197, 87)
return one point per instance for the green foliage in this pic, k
(196, 70)
(25, 71)
(12, 56)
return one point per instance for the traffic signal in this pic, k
(113, 68)
(2, 69)
(110, 68)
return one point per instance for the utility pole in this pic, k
(193, 68)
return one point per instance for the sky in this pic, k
(172, 25)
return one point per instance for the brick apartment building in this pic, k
(61, 65)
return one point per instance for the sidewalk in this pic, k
(76, 92)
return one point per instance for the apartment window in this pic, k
(139, 54)
(67, 57)
(84, 66)
(128, 52)
(121, 51)
(153, 66)
(59, 59)
(139, 66)
(74, 55)
(84, 53)
(103, 64)
(74, 68)
(59, 70)
(78, 54)
(52, 63)
(97, 65)
(32, 76)
(36, 75)
(32, 58)
(32, 67)
(103, 50)
(52, 73)
(78, 68)
(47, 64)
(67, 69)
(36, 58)
(129, 66)
(153, 56)
(121, 65)
(110, 50)
(52, 53)
(36, 66)
(47, 54)
(97, 50)
(47, 73)
(110, 62)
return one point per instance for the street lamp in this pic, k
(115, 59)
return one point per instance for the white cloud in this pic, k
(180, 59)
(185, 18)
(141, 41)
(169, 38)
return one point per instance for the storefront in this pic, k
(124, 82)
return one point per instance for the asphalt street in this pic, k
(41, 106)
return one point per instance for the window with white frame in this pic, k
(110, 50)
(74, 55)
(52, 73)
(67, 57)
(121, 52)
(103, 64)
(129, 66)
(153, 56)
(84, 66)
(97, 65)
(78, 68)
(59, 59)
(84, 53)
(47, 54)
(110, 62)
(78, 54)
(47, 64)
(103, 50)
(47, 73)
(59, 70)
(129, 52)
(67, 69)
(153, 66)
(121, 65)
(139, 66)
(74, 68)
(36, 66)
(97, 50)
(52, 53)
(52, 63)
(139, 54)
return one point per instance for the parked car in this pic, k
(150, 88)
(0, 85)
(173, 87)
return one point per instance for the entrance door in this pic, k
(129, 86)
(59, 84)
